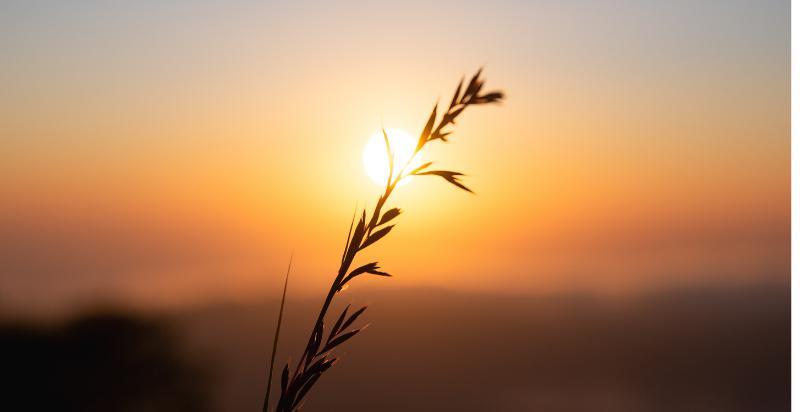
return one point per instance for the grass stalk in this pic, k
(275, 340)
(317, 356)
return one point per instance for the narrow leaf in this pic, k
(456, 112)
(358, 237)
(285, 378)
(376, 212)
(338, 324)
(389, 215)
(390, 157)
(321, 365)
(440, 135)
(363, 269)
(451, 177)
(421, 167)
(349, 233)
(491, 97)
(304, 390)
(276, 338)
(340, 339)
(376, 236)
(458, 93)
(379, 273)
(474, 86)
(315, 342)
(371, 268)
(426, 132)
(353, 317)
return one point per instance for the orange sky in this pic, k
(180, 152)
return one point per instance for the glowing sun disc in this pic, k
(376, 163)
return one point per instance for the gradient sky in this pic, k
(171, 152)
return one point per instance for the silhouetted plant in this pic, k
(317, 356)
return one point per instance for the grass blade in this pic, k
(277, 335)
(314, 362)
(376, 236)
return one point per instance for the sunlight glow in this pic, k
(376, 163)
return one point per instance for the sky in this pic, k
(175, 152)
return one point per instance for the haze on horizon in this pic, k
(166, 153)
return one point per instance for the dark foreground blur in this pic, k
(99, 362)
(688, 350)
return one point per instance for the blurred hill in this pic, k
(103, 361)
(708, 349)
(429, 350)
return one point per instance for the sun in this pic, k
(376, 163)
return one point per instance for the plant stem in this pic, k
(277, 335)
(307, 356)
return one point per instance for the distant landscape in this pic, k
(700, 349)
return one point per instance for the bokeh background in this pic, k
(628, 248)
